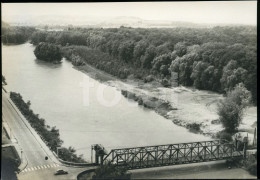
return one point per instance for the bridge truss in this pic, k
(172, 154)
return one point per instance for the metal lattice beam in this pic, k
(171, 154)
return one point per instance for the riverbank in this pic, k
(182, 105)
(50, 135)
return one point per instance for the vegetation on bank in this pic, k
(48, 52)
(213, 59)
(251, 164)
(231, 109)
(110, 171)
(102, 61)
(15, 34)
(49, 134)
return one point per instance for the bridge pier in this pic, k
(99, 153)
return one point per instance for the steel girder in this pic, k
(171, 154)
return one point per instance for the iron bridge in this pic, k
(172, 154)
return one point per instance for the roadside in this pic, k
(10, 141)
(32, 131)
(38, 167)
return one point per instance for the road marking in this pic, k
(29, 169)
(39, 167)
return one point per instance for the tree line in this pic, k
(213, 59)
(16, 34)
(49, 134)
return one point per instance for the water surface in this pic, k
(56, 92)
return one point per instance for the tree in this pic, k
(231, 109)
(162, 63)
(126, 51)
(77, 60)
(48, 52)
(175, 67)
(232, 75)
(148, 57)
(197, 73)
(180, 48)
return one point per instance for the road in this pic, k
(32, 148)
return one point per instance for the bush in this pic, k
(252, 168)
(194, 127)
(224, 135)
(251, 164)
(165, 82)
(110, 171)
(231, 110)
(148, 78)
(77, 60)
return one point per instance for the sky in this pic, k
(235, 12)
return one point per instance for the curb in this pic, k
(52, 155)
(85, 172)
(33, 132)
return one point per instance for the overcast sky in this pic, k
(237, 12)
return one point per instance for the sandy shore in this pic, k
(181, 105)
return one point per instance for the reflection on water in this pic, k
(57, 92)
(47, 64)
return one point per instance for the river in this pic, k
(57, 93)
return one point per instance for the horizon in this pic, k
(196, 12)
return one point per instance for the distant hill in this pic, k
(104, 22)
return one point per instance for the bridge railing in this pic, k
(73, 163)
(161, 155)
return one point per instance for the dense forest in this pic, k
(213, 59)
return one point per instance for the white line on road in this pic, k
(44, 166)
(28, 169)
